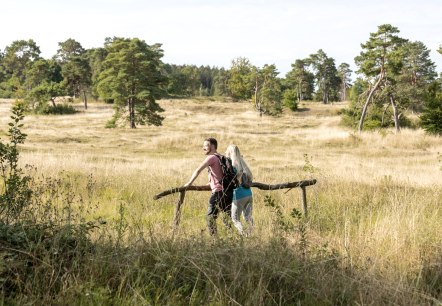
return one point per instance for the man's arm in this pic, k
(195, 174)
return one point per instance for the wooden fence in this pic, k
(182, 191)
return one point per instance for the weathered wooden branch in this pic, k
(283, 185)
(182, 191)
(254, 184)
(176, 220)
(179, 189)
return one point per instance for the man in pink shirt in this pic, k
(220, 199)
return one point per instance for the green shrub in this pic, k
(58, 109)
(375, 118)
(15, 194)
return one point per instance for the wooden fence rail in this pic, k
(182, 191)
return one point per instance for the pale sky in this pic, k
(209, 32)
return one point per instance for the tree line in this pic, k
(394, 77)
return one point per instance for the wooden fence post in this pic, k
(176, 219)
(304, 200)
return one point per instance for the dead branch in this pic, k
(261, 186)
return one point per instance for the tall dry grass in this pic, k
(373, 230)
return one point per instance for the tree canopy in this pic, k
(392, 79)
(132, 77)
(393, 67)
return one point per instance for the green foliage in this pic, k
(431, 118)
(400, 72)
(382, 52)
(326, 75)
(15, 193)
(42, 236)
(190, 80)
(241, 79)
(132, 77)
(58, 109)
(281, 222)
(37, 98)
(378, 117)
(75, 67)
(308, 166)
(220, 83)
(17, 57)
(112, 123)
(290, 99)
(267, 98)
(286, 225)
(358, 91)
(300, 80)
(344, 73)
(96, 57)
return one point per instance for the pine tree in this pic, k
(267, 98)
(75, 67)
(300, 80)
(380, 61)
(431, 118)
(326, 76)
(132, 78)
(344, 73)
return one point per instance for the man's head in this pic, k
(210, 145)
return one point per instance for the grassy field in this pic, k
(373, 234)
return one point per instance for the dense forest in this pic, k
(395, 77)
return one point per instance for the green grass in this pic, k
(97, 237)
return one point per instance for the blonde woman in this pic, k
(242, 196)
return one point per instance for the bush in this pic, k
(374, 120)
(58, 109)
(16, 193)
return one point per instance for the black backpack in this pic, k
(229, 180)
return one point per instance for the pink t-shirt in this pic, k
(215, 173)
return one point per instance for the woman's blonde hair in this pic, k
(238, 162)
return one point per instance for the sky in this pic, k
(214, 32)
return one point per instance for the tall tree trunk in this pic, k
(325, 96)
(343, 91)
(383, 115)
(395, 114)
(364, 109)
(132, 113)
(256, 94)
(299, 92)
(258, 105)
(85, 99)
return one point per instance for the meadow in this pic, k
(373, 235)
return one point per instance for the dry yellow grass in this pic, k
(378, 194)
